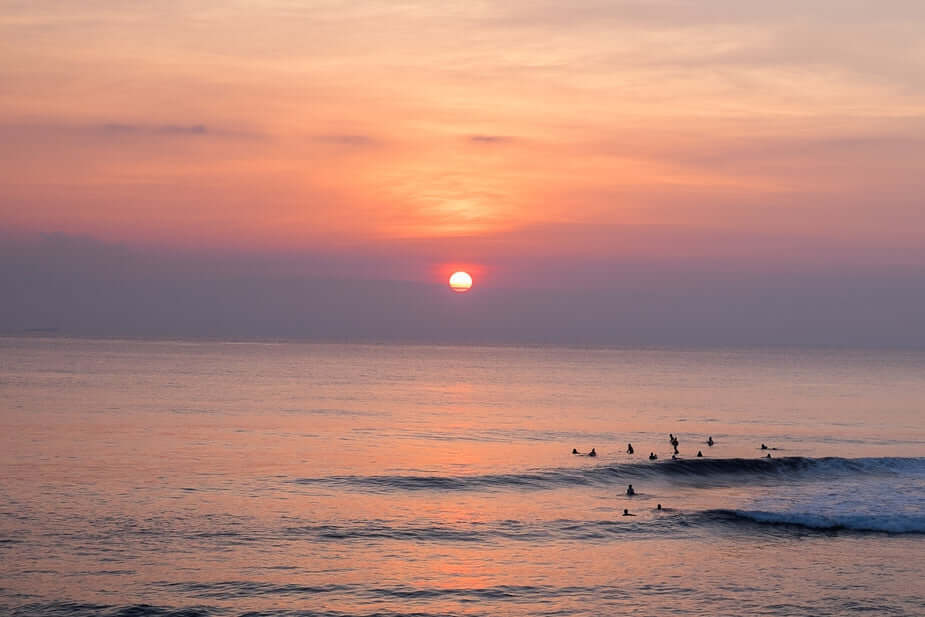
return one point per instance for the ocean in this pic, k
(154, 478)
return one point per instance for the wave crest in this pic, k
(723, 470)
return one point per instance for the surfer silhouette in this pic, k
(626, 512)
(710, 441)
(630, 491)
(575, 451)
(652, 456)
(699, 453)
(629, 448)
(592, 452)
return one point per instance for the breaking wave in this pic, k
(887, 523)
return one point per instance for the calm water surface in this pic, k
(156, 478)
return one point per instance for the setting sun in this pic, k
(460, 282)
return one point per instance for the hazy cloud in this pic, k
(492, 139)
(902, 147)
(79, 288)
(117, 129)
(354, 140)
(164, 129)
(699, 13)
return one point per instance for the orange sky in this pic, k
(216, 123)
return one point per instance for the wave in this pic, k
(229, 590)
(74, 609)
(898, 523)
(723, 470)
(648, 524)
(559, 529)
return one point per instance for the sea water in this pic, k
(209, 478)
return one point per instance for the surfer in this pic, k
(710, 441)
(764, 447)
(769, 455)
(575, 451)
(629, 448)
(630, 491)
(699, 454)
(652, 456)
(626, 512)
(658, 507)
(592, 452)
(676, 449)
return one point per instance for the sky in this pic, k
(640, 172)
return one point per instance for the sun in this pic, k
(460, 282)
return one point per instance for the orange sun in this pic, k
(460, 282)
